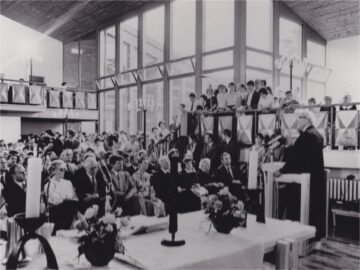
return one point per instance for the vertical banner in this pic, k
(54, 99)
(321, 121)
(346, 128)
(244, 128)
(225, 122)
(266, 124)
(35, 94)
(79, 100)
(289, 125)
(91, 101)
(18, 93)
(4, 91)
(207, 124)
(68, 99)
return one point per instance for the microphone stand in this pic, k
(173, 222)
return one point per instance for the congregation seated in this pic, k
(210, 151)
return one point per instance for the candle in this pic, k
(33, 188)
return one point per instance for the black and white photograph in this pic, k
(180, 134)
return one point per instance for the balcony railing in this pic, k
(24, 93)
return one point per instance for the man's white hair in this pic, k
(205, 162)
(308, 115)
(163, 159)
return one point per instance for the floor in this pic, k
(340, 250)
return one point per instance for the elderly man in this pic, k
(205, 179)
(160, 181)
(307, 157)
(124, 188)
(15, 190)
(90, 185)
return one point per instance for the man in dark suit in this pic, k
(230, 146)
(207, 180)
(230, 176)
(253, 96)
(14, 190)
(90, 185)
(307, 157)
(211, 151)
(71, 142)
(161, 181)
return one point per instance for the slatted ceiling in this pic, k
(332, 19)
(65, 20)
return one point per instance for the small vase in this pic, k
(99, 254)
(222, 227)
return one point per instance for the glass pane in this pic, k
(107, 51)
(88, 58)
(128, 44)
(298, 68)
(105, 83)
(126, 78)
(259, 24)
(180, 67)
(153, 36)
(107, 111)
(151, 73)
(318, 74)
(215, 78)
(218, 24)
(252, 74)
(315, 90)
(71, 64)
(153, 100)
(315, 53)
(285, 86)
(261, 60)
(183, 31)
(217, 60)
(290, 38)
(179, 94)
(128, 109)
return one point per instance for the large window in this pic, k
(315, 90)
(285, 86)
(259, 23)
(290, 38)
(107, 111)
(183, 28)
(253, 74)
(218, 24)
(107, 51)
(71, 63)
(153, 51)
(315, 53)
(128, 104)
(154, 102)
(179, 94)
(128, 44)
(88, 60)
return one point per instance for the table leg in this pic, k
(282, 255)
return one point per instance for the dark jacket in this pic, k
(232, 149)
(161, 184)
(15, 198)
(254, 100)
(212, 153)
(307, 157)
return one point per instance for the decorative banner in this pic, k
(54, 99)
(346, 125)
(244, 128)
(266, 124)
(321, 121)
(4, 90)
(207, 124)
(18, 93)
(91, 101)
(79, 100)
(35, 94)
(225, 122)
(68, 99)
(289, 125)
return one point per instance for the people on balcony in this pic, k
(289, 103)
(266, 101)
(347, 106)
(211, 101)
(193, 102)
(253, 97)
(222, 98)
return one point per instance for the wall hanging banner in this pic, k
(4, 90)
(321, 121)
(225, 122)
(18, 93)
(289, 125)
(346, 125)
(207, 124)
(80, 100)
(68, 99)
(91, 101)
(54, 99)
(244, 128)
(267, 124)
(35, 94)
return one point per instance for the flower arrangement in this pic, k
(224, 210)
(101, 239)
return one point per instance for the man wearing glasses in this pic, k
(15, 190)
(307, 157)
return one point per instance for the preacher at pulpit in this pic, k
(307, 157)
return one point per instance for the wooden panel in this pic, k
(332, 19)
